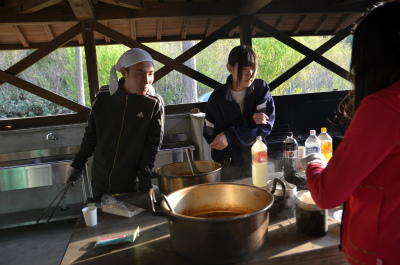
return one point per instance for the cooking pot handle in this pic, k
(276, 180)
(153, 202)
(226, 161)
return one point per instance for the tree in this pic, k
(189, 84)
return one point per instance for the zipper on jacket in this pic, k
(116, 151)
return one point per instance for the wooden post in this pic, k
(245, 31)
(91, 59)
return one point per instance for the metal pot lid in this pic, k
(291, 189)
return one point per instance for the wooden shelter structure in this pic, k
(46, 25)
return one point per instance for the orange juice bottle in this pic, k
(326, 144)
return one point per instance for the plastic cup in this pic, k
(90, 215)
(301, 154)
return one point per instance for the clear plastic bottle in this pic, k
(326, 144)
(290, 158)
(313, 143)
(259, 157)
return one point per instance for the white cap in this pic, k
(129, 58)
(259, 138)
(312, 132)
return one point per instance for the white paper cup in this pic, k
(90, 215)
(301, 154)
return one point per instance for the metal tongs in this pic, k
(63, 189)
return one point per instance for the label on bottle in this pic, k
(313, 149)
(326, 147)
(260, 157)
(291, 154)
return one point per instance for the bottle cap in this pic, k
(259, 138)
(323, 129)
(312, 132)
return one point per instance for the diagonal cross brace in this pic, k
(156, 55)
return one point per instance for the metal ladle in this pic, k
(191, 163)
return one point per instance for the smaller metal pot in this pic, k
(283, 197)
(179, 175)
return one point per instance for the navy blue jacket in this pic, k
(223, 115)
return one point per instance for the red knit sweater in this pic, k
(364, 172)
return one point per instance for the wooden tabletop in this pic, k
(284, 245)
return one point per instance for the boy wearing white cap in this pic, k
(124, 130)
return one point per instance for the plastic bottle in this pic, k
(326, 144)
(290, 158)
(313, 143)
(259, 157)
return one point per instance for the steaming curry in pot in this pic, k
(217, 213)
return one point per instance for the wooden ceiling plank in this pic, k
(307, 60)
(340, 24)
(320, 24)
(133, 29)
(31, 6)
(132, 4)
(300, 25)
(216, 35)
(159, 29)
(250, 7)
(156, 55)
(185, 28)
(83, 9)
(299, 47)
(48, 31)
(21, 36)
(43, 51)
(210, 26)
(41, 92)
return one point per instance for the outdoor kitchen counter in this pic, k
(284, 245)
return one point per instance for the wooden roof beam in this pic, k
(250, 7)
(185, 28)
(132, 4)
(159, 29)
(300, 25)
(133, 30)
(21, 36)
(31, 6)
(48, 31)
(320, 24)
(83, 9)
(210, 26)
(340, 24)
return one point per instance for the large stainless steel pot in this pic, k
(216, 240)
(177, 176)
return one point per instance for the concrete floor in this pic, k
(35, 244)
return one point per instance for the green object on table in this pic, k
(105, 241)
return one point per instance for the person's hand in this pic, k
(73, 175)
(313, 158)
(260, 118)
(219, 142)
